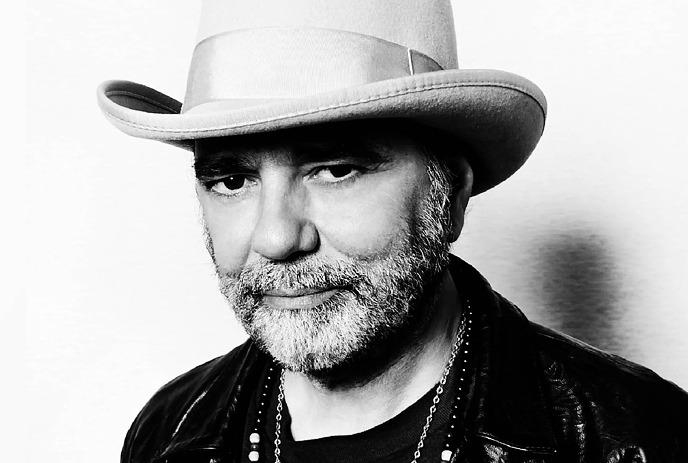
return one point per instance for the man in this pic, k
(336, 147)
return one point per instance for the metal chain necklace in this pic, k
(461, 341)
(440, 388)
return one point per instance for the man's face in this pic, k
(325, 239)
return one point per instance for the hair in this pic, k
(441, 189)
(440, 149)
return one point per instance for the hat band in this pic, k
(254, 65)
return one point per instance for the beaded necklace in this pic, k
(459, 355)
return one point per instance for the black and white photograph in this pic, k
(349, 231)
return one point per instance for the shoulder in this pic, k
(596, 370)
(161, 417)
(624, 405)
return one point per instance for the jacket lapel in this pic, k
(214, 422)
(508, 411)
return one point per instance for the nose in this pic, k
(283, 230)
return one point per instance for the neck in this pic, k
(319, 409)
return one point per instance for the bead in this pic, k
(254, 438)
(254, 456)
(446, 455)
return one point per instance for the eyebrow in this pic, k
(220, 162)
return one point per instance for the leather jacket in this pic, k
(538, 396)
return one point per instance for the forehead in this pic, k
(318, 142)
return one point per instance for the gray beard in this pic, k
(381, 310)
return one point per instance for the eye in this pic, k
(337, 172)
(231, 185)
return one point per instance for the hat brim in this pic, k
(498, 116)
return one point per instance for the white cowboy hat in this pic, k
(265, 65)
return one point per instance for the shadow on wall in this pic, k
(582, 289)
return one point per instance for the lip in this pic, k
(304, 298)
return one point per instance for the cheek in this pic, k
(230, 231)
(370, 222)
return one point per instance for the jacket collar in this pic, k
(508, 407)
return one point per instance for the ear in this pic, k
(461, 192)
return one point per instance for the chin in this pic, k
(336, 347)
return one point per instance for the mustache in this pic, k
(263, 276)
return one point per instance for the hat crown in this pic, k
(266, 65)
(251, 53)
(426, 26)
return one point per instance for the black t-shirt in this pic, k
(392, 441)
